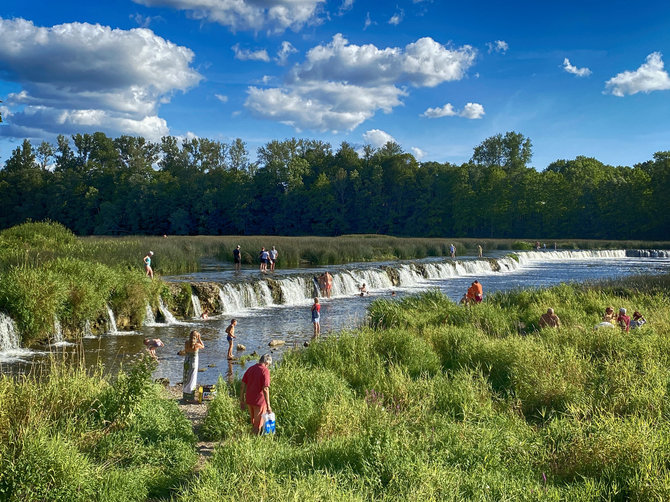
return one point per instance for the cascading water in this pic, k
(9, 335)
(149, 317)
(58, 339)
(167, 315)
(86, 331)
(300, 289)
(111, 322)
(197, 308)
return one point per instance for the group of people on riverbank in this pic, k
(266, 257)
(621, 319)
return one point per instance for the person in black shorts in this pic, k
(237, 258)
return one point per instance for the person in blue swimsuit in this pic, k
(147, 264)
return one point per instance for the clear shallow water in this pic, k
(257, 326)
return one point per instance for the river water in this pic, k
(246, 296)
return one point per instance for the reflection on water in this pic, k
(256, 327)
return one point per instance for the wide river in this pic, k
(259, 322)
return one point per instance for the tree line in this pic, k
(95, 184)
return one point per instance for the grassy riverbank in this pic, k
(440, 402)
(432, 401)
(72, 436)
(47, 273)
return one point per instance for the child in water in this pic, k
(230, 332)
(152, 344)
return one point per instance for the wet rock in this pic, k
(211, 365)
(208, 294)
(241, 347)
(276, 343)
(201, 370)
(275, 289)
(394, 275)
(495, 266)
(165, 382)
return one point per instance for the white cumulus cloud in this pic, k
(284, 52)
(249, 55)
(647, 78)
(497, 46)
(272, 15)
(580, 72)
(377, 138)
(79, 76)
(221, 97)
(418, 153)
(340, 85)
(469, 111)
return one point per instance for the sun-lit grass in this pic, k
(442, 402)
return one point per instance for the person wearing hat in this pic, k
(237, 258)
(255, 391)
(623, 320)
(147, 264)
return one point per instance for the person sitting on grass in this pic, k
(609, 319)
(623, 320)
(255, 391)
(550, 320)
(638, 320)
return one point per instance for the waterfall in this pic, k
(299, 289)
(167, 315)
(197, 308)
(295, 290)
(86, 330)
(9, 335)
(111, 322)
(149, 318)
(577, 254)
(58, 339)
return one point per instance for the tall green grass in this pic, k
(444, 402)
(69, 435)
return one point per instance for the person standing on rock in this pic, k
(237, 258)
(316, 317)
(481, 251)
(190, 380)
(147, 264)
(255, 391)
(230, 332)
(452, 250)
(273, 258)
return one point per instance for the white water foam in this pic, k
(58, 339)
(299, 290)
(111, 321)
(149, 317)
(197, 308)
(10, 345)
(167, 315)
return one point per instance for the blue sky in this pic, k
(437, 77)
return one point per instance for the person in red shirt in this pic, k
(255, 391)
(623, 320)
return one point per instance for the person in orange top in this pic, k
(475, 293)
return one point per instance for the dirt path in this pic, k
(196, 414)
